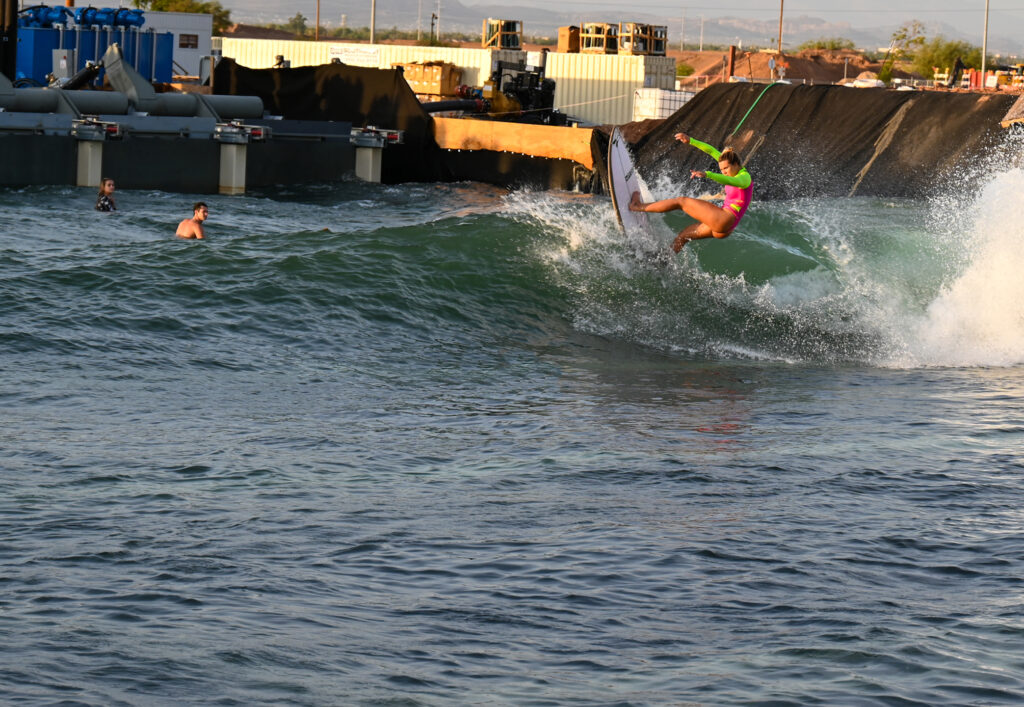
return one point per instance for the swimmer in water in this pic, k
(193, 227)
(715, 221)
(105, 197)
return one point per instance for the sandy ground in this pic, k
(709, 66)
(815, 66)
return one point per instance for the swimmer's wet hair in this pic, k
(729, 155)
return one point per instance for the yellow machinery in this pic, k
(599, 38)
(501, 104)
(502, 34)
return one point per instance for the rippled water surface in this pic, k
(441, 444)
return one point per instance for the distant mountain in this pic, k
(456, 17)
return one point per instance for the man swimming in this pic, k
(715, 221)
(193, 227)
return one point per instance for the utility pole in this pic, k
(439, 21)
(701, 45)
(316, 32)
(781, 3)
(373, 21)
(682, 32)
(419, 15)
(984, 46)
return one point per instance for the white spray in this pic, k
(978, 319)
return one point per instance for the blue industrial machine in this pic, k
(109, 17)
(43, 16)
(49, 47)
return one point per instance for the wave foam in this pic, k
(978, 320)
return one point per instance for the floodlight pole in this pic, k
(984, 46)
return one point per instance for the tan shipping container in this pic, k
(569, 40)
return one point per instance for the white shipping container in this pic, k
(192, 37)
(658, 103)
(598, 88)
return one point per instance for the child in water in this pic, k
(105, 196)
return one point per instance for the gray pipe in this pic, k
(187, 104)
(46, 100)
(233, 107)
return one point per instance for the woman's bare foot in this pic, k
(635, 204)
(679, 242)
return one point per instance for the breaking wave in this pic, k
(882, 282)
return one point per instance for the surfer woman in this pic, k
(717, 221)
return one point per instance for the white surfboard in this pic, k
(623, 181)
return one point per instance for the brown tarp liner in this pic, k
(358, 95)
(1015, 114)
(796, 140)
(383, 98)
(830, 140)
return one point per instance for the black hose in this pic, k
(475, 105)
(83, 76)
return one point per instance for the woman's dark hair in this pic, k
(102, 182)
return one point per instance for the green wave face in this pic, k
(854, 280)
(466, 272)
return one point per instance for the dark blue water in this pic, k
(428, 445)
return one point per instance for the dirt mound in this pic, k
(812, 66)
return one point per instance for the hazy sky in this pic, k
(861, 13)
(968, 16)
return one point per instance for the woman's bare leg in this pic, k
(690, 233)
(714, 218)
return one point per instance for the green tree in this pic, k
(904, 41)
(221, 16)
(941, 54)
(296, 24)
(827, 43)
